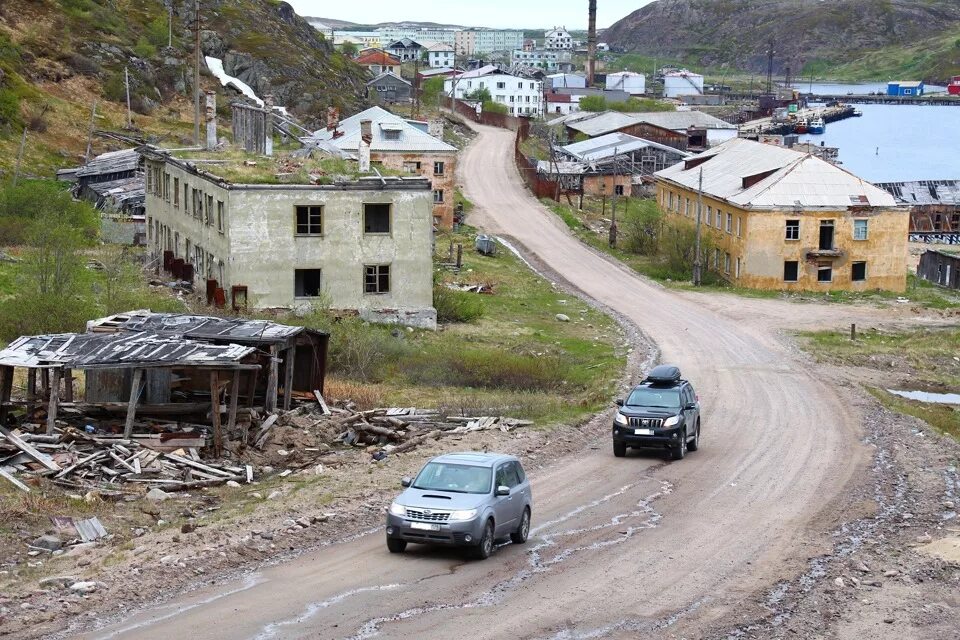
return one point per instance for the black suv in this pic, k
(662, 412)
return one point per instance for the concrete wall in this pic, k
(442, 211)
(598, 185)
(259, 247)
(758, 240)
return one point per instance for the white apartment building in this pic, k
(392, 34)
(558, 38)
(440, 55)
(542, 59)
(479, 41)
(521, 96)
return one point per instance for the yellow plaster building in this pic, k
(780, 219)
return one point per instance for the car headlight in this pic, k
(460, 516)
(398, 510)
(671, 421)
(621, 419)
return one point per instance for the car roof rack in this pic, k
(664, 373)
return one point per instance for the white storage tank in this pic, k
(633, 83)
(682, 83)
(566, 81)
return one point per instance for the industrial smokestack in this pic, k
(363, 148)
(268, 125)
(591, 41)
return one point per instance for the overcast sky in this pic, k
(529, 14)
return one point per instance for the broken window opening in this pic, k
(825, 272)
(791, 271)
(826, 237)
(306, 283)
(376, 218)
(858, 271)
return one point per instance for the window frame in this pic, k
(796, 266)
(301, 295)
(438, 192)
(853, 266)
(441, 165)
(309, 215)
(378, 275)
(787, 229)
(824, 267)
(866, 229)
(389, 206)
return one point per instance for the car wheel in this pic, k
(695, 443)
(523, 531)
(619, 449)
(396, 545)
(483, 550)
(680, 451)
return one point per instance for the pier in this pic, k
(769, 126)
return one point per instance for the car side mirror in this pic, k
(406, 481)
(690, 406)
(502, 491)
(619, 402)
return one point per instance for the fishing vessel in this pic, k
(817, 126)
(801, 126)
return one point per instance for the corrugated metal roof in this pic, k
(93, 350)
(682, 120)
(485, 70)
(797, 179)
(122, 190)
(562, 168)
(389, 74)
(924, 192)
(238, 330)
(376, 57)
(602, 123)
(611, 144)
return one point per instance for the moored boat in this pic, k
(817, 126)
(801, 126)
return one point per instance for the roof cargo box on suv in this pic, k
(664, 373)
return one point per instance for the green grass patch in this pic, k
(917, 360)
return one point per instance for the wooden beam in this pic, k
(254, 376)
(31, 387)
(288, 378)
(68, 385)
(42, 458)
(132, 404)
(54, 388)
(215, 413)
(44, 383)
(270, 402)
(234, 400)
(323, 404)
(6, 388)
(16, 483)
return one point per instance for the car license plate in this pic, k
(643, 432)
(423, 526)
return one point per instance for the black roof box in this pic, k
(664, 373)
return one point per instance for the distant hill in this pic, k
(333, 23)
(815, 35)
(58, 56)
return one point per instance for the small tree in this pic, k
(480, 94)
(348, 49)
(432, 89)
(642, 227)
(495, 107)
(593, 103)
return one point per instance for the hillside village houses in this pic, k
(404, 146)
(558, 38)
(543, 59)
(440, 55)
(388, 88)
(684, 130)
(378, 61)
(521, 96)
(783, 220)
(471, 42)
(405, 49)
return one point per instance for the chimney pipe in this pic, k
(211, 114)
(366, 131)
(268, 127)
(333, 118)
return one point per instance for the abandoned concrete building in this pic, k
(780, 219)
(358, 243)
(405, 146)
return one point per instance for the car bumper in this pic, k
(449, 533)
(660, 438)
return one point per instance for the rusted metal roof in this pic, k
(119, 350)
(238, 330)
(111, 162)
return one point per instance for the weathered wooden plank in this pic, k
(264, 429)
(234, 401)
(215, 413)
(197, 465)
(30, 451)
(323, 404)
(288, 378)
(270, 402)
(53, 402)
(6, 388)
(132, 404)
(14, 481)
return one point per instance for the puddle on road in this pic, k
(928, 397)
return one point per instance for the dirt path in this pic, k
(620, 547)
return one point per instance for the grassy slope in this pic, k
(929, 356)
(936, 58)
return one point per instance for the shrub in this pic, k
(82, 64)
(454, 366)
(456, 306)
(593, 103)
(642, 227)
(144, 48)
(481, 94)
(490, 106)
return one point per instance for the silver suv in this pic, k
(462, 499)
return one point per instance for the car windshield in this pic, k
(653, 397)
(458, 478)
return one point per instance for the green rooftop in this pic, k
(239, 167)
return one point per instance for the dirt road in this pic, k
(620, 546)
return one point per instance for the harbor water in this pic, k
(848, 89)
(893, 143)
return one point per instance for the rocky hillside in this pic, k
(58, 56)
(815, 34)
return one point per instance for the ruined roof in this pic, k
(239, 330)
(122, 190)
(614, 144)
(125, 350)
(409, 137)
(924, 192)
(111, 162)
(755, 175)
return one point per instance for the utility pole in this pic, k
(613, 202)
(697, 265)
(196, 75)
(93, 114)
(23, 143)
(591, 40)
(170, 25)
(416, 87)
(126, 82)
